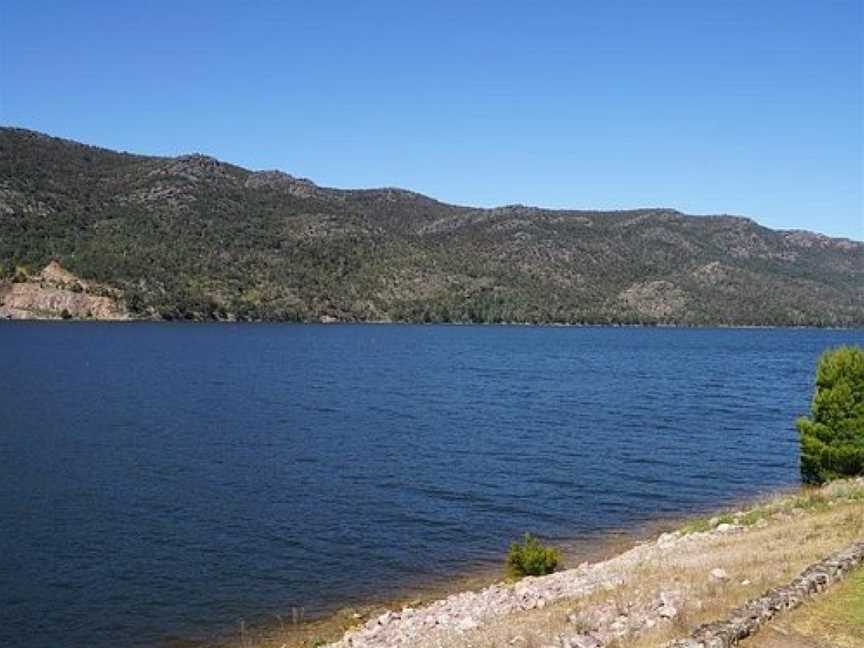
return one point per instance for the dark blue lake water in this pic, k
(165, 481)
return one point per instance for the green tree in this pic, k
(832, 437)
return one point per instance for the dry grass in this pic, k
(834, 620)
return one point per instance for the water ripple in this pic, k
(167, 480)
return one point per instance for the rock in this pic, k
(667, 539)
(58, 276)
(719, 575)
(670, 598)
(56, 293)
(581, 641)
(302, 187)
(620, 625)
(466, 624)
(654, 298)
(667, 612)
(727, 528)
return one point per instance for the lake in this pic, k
(164, 481)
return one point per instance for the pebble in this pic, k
(667, 612)
(728, 528)
(719, 575)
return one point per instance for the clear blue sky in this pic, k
(753, 108)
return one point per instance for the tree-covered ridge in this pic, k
(196, 238)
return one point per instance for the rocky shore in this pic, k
(441, 622)
(740, 567)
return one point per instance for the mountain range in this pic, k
(195, 238)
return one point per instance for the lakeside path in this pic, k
(643, 598)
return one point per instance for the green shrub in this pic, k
(753, 516)
(832, 437)
(699, 525)
(531, 558)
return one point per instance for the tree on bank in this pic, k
(832, 437)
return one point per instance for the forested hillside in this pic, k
(195, 238)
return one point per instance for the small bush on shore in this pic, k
(531, 558)
(832, 437)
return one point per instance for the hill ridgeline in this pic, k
(195, 238)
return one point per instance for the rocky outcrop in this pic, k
(195, 168)
(56, 293)
(59, 277)
(806, 239)
(279, 180)
(746, 620)
(654, 299)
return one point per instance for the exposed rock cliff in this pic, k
(56, 293)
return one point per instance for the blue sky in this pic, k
(752, 108)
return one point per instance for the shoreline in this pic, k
(591, 548)
(659, 591)
(315, 323)
(339, 617)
